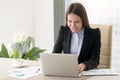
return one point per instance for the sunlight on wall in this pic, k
(44, 30)
(15, 16)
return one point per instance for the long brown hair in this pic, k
(79, 10)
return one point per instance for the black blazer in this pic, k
(90, 51)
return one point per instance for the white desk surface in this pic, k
(5, 65)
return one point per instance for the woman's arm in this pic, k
(58, 44)
(93, 62)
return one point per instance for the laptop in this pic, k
(59, 64)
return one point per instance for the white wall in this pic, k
(15, 16)
(105, 12)
(34, 17)
(59, 16)
(44, 30)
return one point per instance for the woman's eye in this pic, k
(69, 21)
(76, 21)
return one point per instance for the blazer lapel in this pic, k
(85, 40)
(68, 41)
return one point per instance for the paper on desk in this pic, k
(100, 72)
(24, 73)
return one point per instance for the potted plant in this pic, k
(22, 49)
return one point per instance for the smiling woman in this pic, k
(74, 22)
(109, 14)
(78, 38)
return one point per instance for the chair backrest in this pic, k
(106, 44)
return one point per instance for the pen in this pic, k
(38, 70)
(82, 77)
(20, 75)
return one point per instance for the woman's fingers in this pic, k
(81, 67)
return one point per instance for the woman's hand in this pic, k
(81, 67)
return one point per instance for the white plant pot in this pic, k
(17, 63)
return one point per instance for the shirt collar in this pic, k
(80, 33)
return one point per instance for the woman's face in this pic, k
(74, 22)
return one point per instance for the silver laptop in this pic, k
(59, 64)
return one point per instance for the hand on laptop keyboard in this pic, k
(81, 67)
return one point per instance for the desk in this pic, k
(5, 65)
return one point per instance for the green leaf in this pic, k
(1, 54)
(33, 58)
(33, 53)
(23, 46)
(15, 54)
(4, 52)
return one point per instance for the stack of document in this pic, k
(100, 72)
(24, 73)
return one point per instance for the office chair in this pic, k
(106, 44)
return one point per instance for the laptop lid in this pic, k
(59, 64)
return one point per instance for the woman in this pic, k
(76, 37)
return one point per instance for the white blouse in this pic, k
(76, 42)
